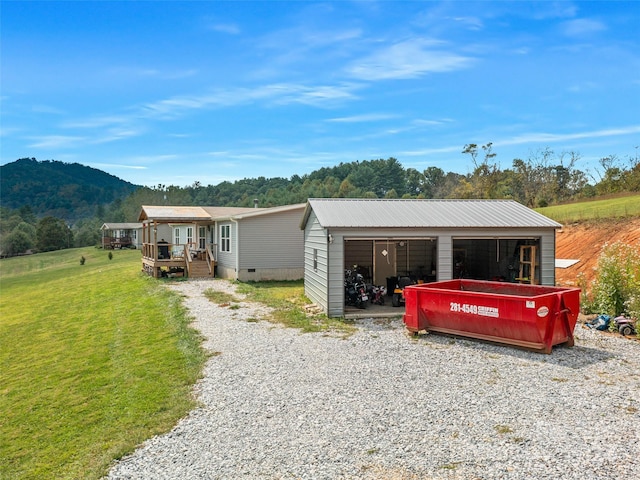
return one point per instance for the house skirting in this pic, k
(260, 274)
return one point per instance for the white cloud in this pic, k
(8, 131)
(119, 165)
(317, 96)
(370, 117)
(230, 28)
(430, 151)
(128, 73)
(279, 93)
(553, 9)
(542, 137)
(139, 161)
(582, 26)
(98, 122)
(533, 139)
(472, 23)
(56, 141)
(422, 122)
(408, 59)
(582, 87)
(47, 109)
(115, 134)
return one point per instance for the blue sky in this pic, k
(176, 92)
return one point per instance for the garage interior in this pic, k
(382, 261)
(497, 259)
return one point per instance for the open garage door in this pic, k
(381, 259)
(500, 259)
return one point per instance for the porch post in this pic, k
(155, 240)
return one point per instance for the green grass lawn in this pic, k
(624, 206)
(287, 300)
(94, 359)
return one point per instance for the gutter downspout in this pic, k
(237, 249)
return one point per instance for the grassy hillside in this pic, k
(598, 209)
(94, 359)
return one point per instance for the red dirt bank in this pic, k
(584, 241)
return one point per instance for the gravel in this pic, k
(278, 404)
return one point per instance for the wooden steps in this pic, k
(199, 269)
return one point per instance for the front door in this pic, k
(202, 238)
(384, 261)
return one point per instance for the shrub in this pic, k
(616, 288)
(110, 255)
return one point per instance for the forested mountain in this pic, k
(73, 192)
(49, 205)
(69, 191)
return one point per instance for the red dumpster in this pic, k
(536, 317)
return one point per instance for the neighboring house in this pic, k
(121, 235)
(247, 244)
(426, 240)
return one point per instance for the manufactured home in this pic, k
(424, 240)
(121, 235)
(246, 244)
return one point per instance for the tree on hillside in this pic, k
(87, 232)
(53, 188)
(415, 183)
(434, 179)
(544, 178)
(16, 234)
(612, 176)
(483, 182)
(27, 215)
(53, 234)
(21, 239)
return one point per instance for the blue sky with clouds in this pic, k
(176, 92)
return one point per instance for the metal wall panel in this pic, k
(316, 266)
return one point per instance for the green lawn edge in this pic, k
(94, 359)
(601, 209)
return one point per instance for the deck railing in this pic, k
(164, 251)
(116, 242)
(175, 251)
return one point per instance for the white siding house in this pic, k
(263, 244)
(426, 240)
(121, 235)
(247, 244)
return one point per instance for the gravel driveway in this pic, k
(280, 404)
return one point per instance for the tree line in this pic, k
(543, 179)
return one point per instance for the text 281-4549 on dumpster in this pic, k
(474, 309)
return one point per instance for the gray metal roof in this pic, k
(254, 212)
(394, 213)
(225, 212)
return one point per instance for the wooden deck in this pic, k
(166, 260)
(116, 243)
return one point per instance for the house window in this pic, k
(189, 235)
(176, 236)
(225, 238)
(315, 259)
(134, 234)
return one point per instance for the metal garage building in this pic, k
(427, 240)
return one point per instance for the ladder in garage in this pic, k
(528, 264)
